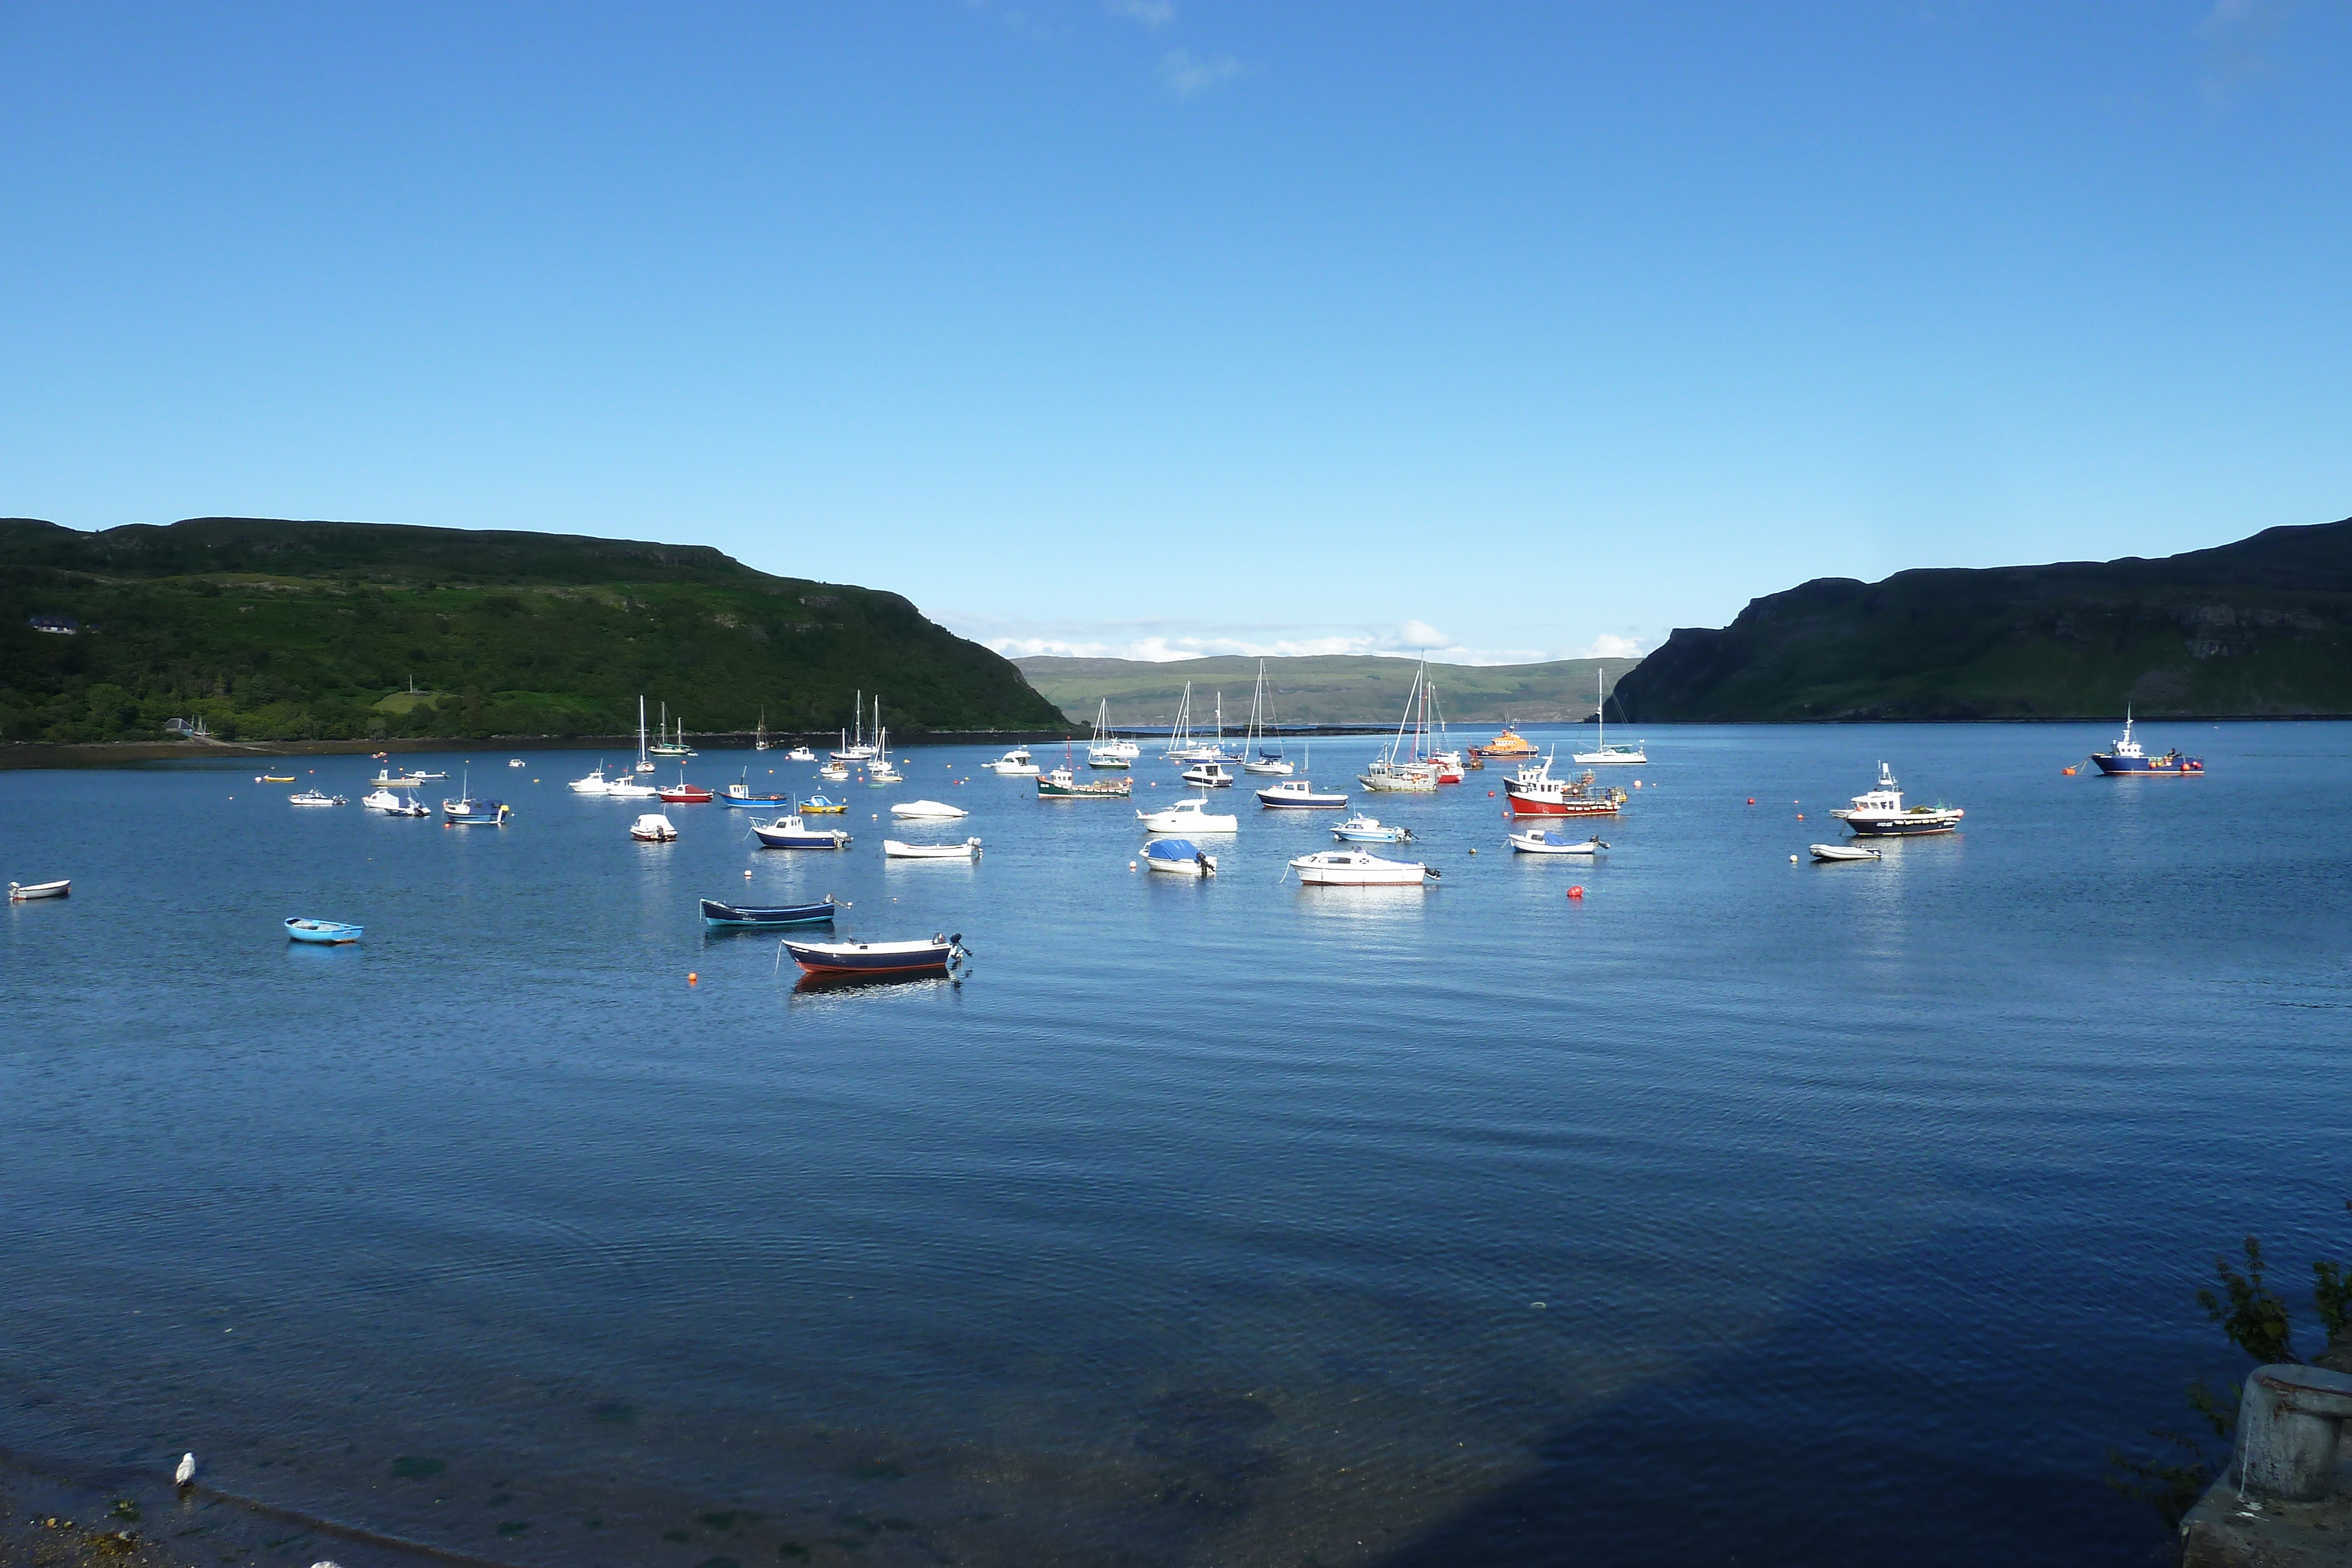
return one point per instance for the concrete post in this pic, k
(2288, 1425)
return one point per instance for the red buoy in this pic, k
(1576, 893)
(1751, 800)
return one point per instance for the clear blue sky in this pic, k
(1531, 328)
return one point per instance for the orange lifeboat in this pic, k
(1508, 744)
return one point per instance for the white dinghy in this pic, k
(896, 850)
(928, 809)
(653, 828)
(18, 892)
(1535, 842)
(1842, 852)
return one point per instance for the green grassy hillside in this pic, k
(2259, 627)
(1334, 689)
(306, 630)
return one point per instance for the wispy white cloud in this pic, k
(1151, 14)
(1188, 75)
(1609, 645)
(2237, 35)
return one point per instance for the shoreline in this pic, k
(31, 754)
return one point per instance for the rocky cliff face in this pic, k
(2259, 627)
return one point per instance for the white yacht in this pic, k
(1602, 752)
(1015, 764)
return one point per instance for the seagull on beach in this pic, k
(187, 1471)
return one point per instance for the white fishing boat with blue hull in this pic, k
(1880, 813)
(1362, 830)
(326, 932)
(792, 833)
(1301, 794)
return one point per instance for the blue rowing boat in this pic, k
(938, 953)
(331, 933)
(738, 916)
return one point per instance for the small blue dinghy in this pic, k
(333, 932)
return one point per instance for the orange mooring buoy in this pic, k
(2067, 771)
(693, 980)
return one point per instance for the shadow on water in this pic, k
(1716, 1464)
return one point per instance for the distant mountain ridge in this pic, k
(1339, 688)
(2259, 627)
(279, 629)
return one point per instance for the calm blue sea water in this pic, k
(1743, 1211)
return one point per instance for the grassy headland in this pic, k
(1330, 689)
(2263, 626)
(269, 630)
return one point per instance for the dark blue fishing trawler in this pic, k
(2130, 758)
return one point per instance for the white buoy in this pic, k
(1792, 860)
(187, 1471)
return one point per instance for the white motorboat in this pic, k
(792, 833)
(1179, 857)
(799, 754)
(594, 784)
(1190, 815)
(392, 805)
(1880, 813)
(1537, 842)
(1107, 760)
(834, 772)
(628, 789)
(1842, 852)
(1015, 764)
(1300, 792)
(894, 849)
(1208, 775)
(1356, 868)
(653, 828)
(1362, 830)
(514, 761)
(20, 891)
(315, 797)
(385, 778)
(926, 809)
